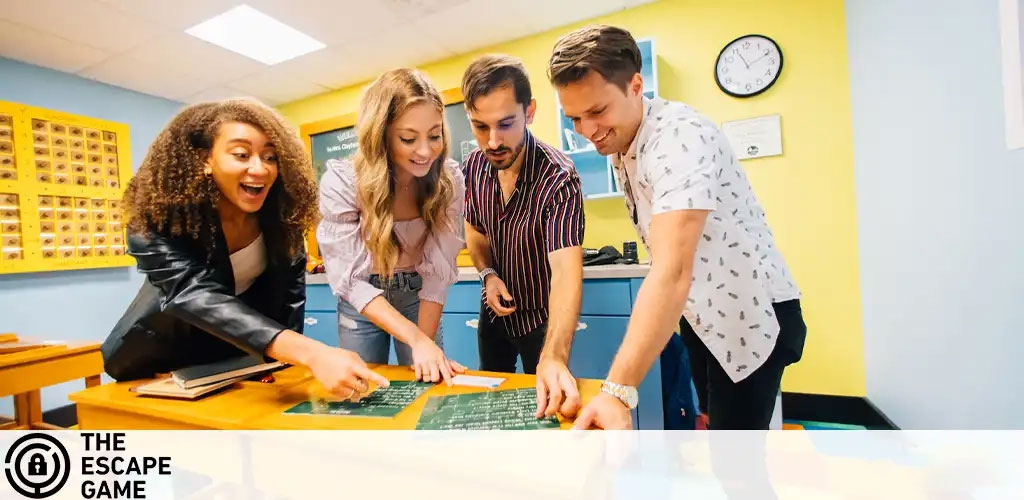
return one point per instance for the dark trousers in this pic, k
(499, 350)
(747, 404)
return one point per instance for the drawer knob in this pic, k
(310, 321)
(473, 323)
(581, 326)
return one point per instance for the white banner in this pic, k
(514, 465)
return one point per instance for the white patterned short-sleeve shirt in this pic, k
(680, 160)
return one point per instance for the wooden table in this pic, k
(23, 374)
(255, 405)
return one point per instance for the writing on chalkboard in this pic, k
(494, 410)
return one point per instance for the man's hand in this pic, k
(496, 290)
(604, 412)
(556, 389)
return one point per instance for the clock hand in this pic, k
(745, 63)
(759, 58)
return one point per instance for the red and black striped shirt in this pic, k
(544, 214)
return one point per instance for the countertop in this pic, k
(589, 272)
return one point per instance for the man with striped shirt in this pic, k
(524, 230)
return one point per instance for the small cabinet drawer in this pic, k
(594, 345)
(606, 297)
(463, 297)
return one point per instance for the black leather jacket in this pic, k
(187, 313)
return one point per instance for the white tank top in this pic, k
(248, 264)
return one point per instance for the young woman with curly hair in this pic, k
(216, 216)
(389, 226)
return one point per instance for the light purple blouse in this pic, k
(344, 250)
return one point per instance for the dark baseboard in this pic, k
(62, 416)
(836, 409)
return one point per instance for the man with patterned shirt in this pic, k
(524, 230)
(713, 258)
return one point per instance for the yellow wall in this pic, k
(808, 192)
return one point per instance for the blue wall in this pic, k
(74, 304)
(940, 214)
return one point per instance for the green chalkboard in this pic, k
(384, 402)
(462, 141)
(494, 410)
(333, 145)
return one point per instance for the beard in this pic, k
(515, 152)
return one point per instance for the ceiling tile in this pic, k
(150, 77)
(215, 94)
(330, 21)
(459, 36)
(177, 15)
(187, 54)
(96, 24)
(43, 49)
(415, 9)
(274, 86)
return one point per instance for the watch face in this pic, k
(748, 65)
(632, 397)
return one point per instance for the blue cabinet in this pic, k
(604, 316)
(460, 338)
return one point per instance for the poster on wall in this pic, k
(755, 137)
(1011, 23)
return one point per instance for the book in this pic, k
(209, 373)
(167, 388)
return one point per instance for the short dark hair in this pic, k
(609, 50)
(492, 72)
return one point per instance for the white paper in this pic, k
(477, 381)
(755, 137)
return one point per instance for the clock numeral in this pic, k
(748, 86)
(771, 61)
(728, 80)
(729, 59)
(759, 82)
(736, 51)
(746, 45)
(768, 73)
(725, 69)
(766, 51)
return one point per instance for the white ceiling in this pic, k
(141, 44)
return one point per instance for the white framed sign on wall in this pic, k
(1012, 29)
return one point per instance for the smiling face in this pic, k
(415, 140)
(499, 125)
(243, 164)
(603, 112)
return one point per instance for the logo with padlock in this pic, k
(37, 465)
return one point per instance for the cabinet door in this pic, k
(594, 346)
(320, 298)
(322, 326)
(460, 338)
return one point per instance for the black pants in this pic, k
(499, 350)
(747, 404)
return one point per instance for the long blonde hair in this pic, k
(384, 101)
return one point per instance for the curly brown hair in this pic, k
(171, 194)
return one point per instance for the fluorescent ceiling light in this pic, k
(256, 35)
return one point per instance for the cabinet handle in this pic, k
(473, 323)
(310, 321)
(581, 326)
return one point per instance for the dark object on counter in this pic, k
(629, 252)
(606, 255)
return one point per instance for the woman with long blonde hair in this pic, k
(389, 228)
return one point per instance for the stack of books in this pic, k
(195, 381)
